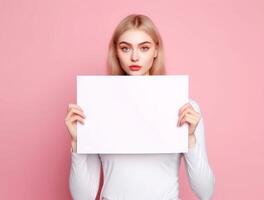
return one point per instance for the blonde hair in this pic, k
(140, 22)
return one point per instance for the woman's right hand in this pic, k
(74, 114)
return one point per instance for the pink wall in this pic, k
(45, 44)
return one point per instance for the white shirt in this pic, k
(142, 176)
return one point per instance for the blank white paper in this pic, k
(132, 114)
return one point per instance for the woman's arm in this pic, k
(85, 169)
(199, 172)
(84, 176)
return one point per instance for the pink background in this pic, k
(45, 44)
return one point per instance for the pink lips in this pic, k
(134, 67)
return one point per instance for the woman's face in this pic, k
(136, 51)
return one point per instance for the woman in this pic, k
(136, 49)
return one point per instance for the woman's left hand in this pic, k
(189, 115)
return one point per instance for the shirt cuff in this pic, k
(76, 156)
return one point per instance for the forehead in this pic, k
(135, 37)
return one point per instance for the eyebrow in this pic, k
(138, 44)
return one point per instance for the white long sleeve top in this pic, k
(142, 176)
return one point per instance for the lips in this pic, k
(134, 67)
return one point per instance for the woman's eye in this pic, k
(125, 49)
(145, 48)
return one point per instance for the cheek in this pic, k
(149, 59)
(122, 57)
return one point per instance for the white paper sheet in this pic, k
(132, 114)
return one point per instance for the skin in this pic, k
(135, 47)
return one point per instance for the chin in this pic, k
(135, 73)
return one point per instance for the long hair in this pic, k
(140, 22)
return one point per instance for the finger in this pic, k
(76, 118)
(185, 117)
(188, 110)
(184, 107)
(189, 119)
(72, 114)
(75, 111)
(74, 106)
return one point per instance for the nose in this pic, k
(134, 56)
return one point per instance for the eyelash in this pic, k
(127, 48)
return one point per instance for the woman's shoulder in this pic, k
(195, 105)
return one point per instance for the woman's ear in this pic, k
(156, 53)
